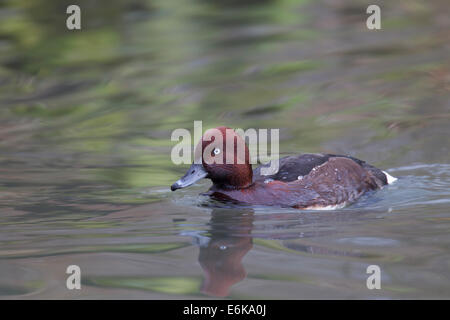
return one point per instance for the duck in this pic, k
(310, 181)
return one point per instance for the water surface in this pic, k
(85, 124)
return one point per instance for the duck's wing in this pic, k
(292, 168)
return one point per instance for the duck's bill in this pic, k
(196, 172)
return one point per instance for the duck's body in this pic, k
(306, 181)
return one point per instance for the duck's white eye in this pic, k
(216, 151)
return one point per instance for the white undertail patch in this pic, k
(390, 179)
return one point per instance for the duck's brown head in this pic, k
(222, 156)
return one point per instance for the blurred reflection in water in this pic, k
(229, 237)
(221, 258)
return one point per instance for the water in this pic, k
(85, 170)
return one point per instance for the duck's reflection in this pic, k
(229, 237)
(221, 257)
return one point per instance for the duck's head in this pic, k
(222, 156)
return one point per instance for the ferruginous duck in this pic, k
(304, 181)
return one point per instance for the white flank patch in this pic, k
(330, 207)
(390, 179)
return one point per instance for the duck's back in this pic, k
(296, 167)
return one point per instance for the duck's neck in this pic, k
(223, 186)
(239, 177)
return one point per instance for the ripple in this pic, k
(370, 241)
